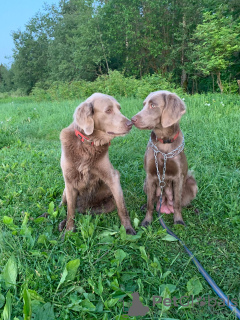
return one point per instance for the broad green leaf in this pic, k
(45, 312)
(143, 253)
(120, 255)
(87, 305)
(100, 286)
(35, 296)
(119, 295)
(7, 311)
(51, 208)
(123, 234)
(166, 295)
(10, 272)
(156, 264)
(63, 277)
(194, 286)
(8, 221)
(114, 284)
(106, 234)
(171, 287)
(25, 220)
(72, 267)
(27, 308)
(166, 274)
(69, 271)
(2, 300)
(136, 222)
(168, 237)
(91, 283)
(42, 239)
(110, 303)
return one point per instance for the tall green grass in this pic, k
(87, 275)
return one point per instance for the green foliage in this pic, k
(218, 38)
(77, 40)
(10, 272)
(7, 311)
(115, 84)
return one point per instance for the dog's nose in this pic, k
(134, 119)
(129, 124)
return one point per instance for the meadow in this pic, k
(91, 273)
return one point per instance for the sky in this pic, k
(14, 15)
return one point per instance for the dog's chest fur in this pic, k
(80, 157)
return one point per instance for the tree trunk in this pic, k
(219, 82)
(238, 81)
(184, 80)
(212, 82)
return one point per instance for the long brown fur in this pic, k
(91, 182)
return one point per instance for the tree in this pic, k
(31, 53)
(6, 79)
(218, 38)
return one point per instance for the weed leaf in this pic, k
(88, 305)
(168, 237)
(100, 286)
(136, 222)
(10, 272)
(35, 296)
(70, 271)
(194, 286)
(2, 300)
(7, 311)
(106, 233)
(8, 221)
(27, 309)
(45, 312)
(123, 234)
(120, 255)
(143, 253)
(72, 267)
(166, 295)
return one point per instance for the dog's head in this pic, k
(160, 109)
(101, 112)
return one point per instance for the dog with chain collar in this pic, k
(165, 163)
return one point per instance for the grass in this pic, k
(88, 275)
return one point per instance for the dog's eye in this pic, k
(108, 110)
(152, 105)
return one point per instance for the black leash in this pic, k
(203, 272)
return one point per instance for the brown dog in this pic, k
(91, 182)
(161, 113)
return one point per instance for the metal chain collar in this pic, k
(166, 156)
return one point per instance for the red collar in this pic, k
(169, 140)
(82, 137)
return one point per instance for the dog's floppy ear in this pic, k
(83, 117)
(173, 110)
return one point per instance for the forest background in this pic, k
(190, 46)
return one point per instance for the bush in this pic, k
(155, 82)
(230, 86)
(114, 84)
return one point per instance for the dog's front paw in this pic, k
(62, 225)
(145, 223)
(180, 222)
(143, 207)
(130, 230)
